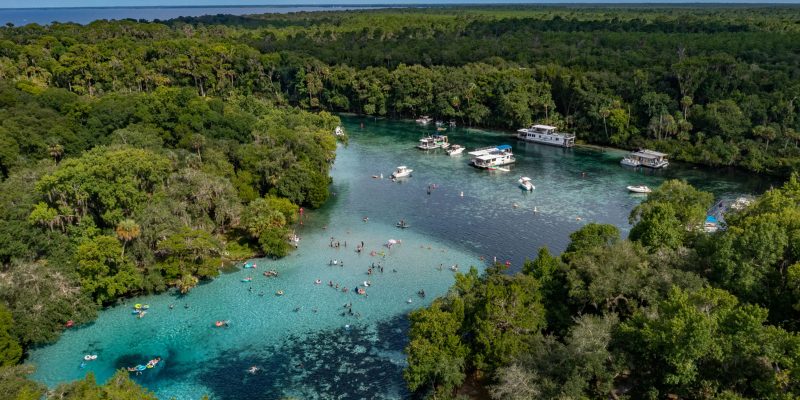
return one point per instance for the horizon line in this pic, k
(431, 3)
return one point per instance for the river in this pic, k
(301, 342)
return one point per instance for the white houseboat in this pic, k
(433, 142)
(645, 158)
(492, 157)
(546, 134)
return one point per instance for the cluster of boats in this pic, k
(497, 157)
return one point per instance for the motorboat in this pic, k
(526, 183)
(639, 189)
(630, 162)
(455, 150)
(424, 120)
(402, 172)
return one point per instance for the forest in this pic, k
(141, 156)
(670, 312)
(711, 85)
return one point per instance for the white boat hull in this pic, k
(630, 163)
(455, 151)
(639, 189)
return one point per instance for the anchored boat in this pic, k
(645, 158)
(546, 134)
(526, 183)
(402, 172)
(455, 150)
(492, 157)
(433, 142)
(639, 189)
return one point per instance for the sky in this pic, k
(144, 3)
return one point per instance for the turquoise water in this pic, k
(301, 341)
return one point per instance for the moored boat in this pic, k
(424, 120)
(492, 157)
(645, 158)
(433, 142)
(455, 150)
(402, 172)
(639, 189)
(526, 183)
(546, 134)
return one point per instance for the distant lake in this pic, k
(85, 15)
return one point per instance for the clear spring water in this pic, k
(300, 340)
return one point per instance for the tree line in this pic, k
(709, 85)
(670, 312)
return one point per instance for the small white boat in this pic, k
(402, 172)
(424, 120)
(455, 150)
(639, 189)
(526, 183)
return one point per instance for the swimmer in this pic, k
(253, 369)
(171, 306)
(409, 301)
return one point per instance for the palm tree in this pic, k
(127, 230)
(56, 151)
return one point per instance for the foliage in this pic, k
(652, 316)
(119, 387)
(10, 350)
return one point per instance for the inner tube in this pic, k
(93, 356)
(149, 365)
(279, 293)
(87, 357)
(137, 306)
(145, 306)
(140, 367)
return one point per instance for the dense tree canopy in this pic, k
(671, 312)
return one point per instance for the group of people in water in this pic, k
(139, 368)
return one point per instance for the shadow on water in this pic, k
(361, 362)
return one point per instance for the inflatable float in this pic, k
(248, 279)
(90, 357)
(279, 293)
